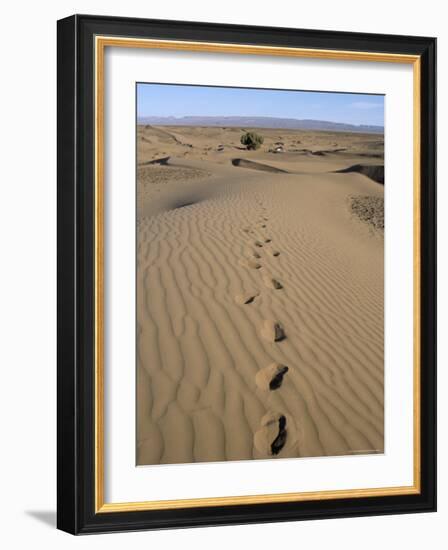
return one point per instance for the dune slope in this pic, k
(259, 307)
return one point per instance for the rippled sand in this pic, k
(259, 297)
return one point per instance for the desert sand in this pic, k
(260, 289)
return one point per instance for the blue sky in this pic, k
(179, 100)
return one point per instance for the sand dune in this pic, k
(244, 163)
(214, 331)
(374, 172)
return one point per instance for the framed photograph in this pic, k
(246, 274)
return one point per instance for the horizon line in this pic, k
(260, 117)
(270, 117)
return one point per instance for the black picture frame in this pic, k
(76, 512)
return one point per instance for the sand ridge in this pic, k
(248, 279)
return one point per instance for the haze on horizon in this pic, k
(173, 100)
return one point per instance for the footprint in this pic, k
(253, 253)
(246, 298)
(275, 253)
(272, 283)
(271, 377)
(247, 230)
(259, 244)
(279, 442)
(251, 264)
(272, 331)
(263, 225)
(277, 432)
(268, 240)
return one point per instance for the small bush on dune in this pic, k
(252, 140)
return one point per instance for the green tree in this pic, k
(252, 140)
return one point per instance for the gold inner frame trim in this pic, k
(101, 42)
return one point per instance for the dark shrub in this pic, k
(252, 140)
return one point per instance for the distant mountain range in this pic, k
(260, 122)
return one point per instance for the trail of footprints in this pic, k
(276, 431)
